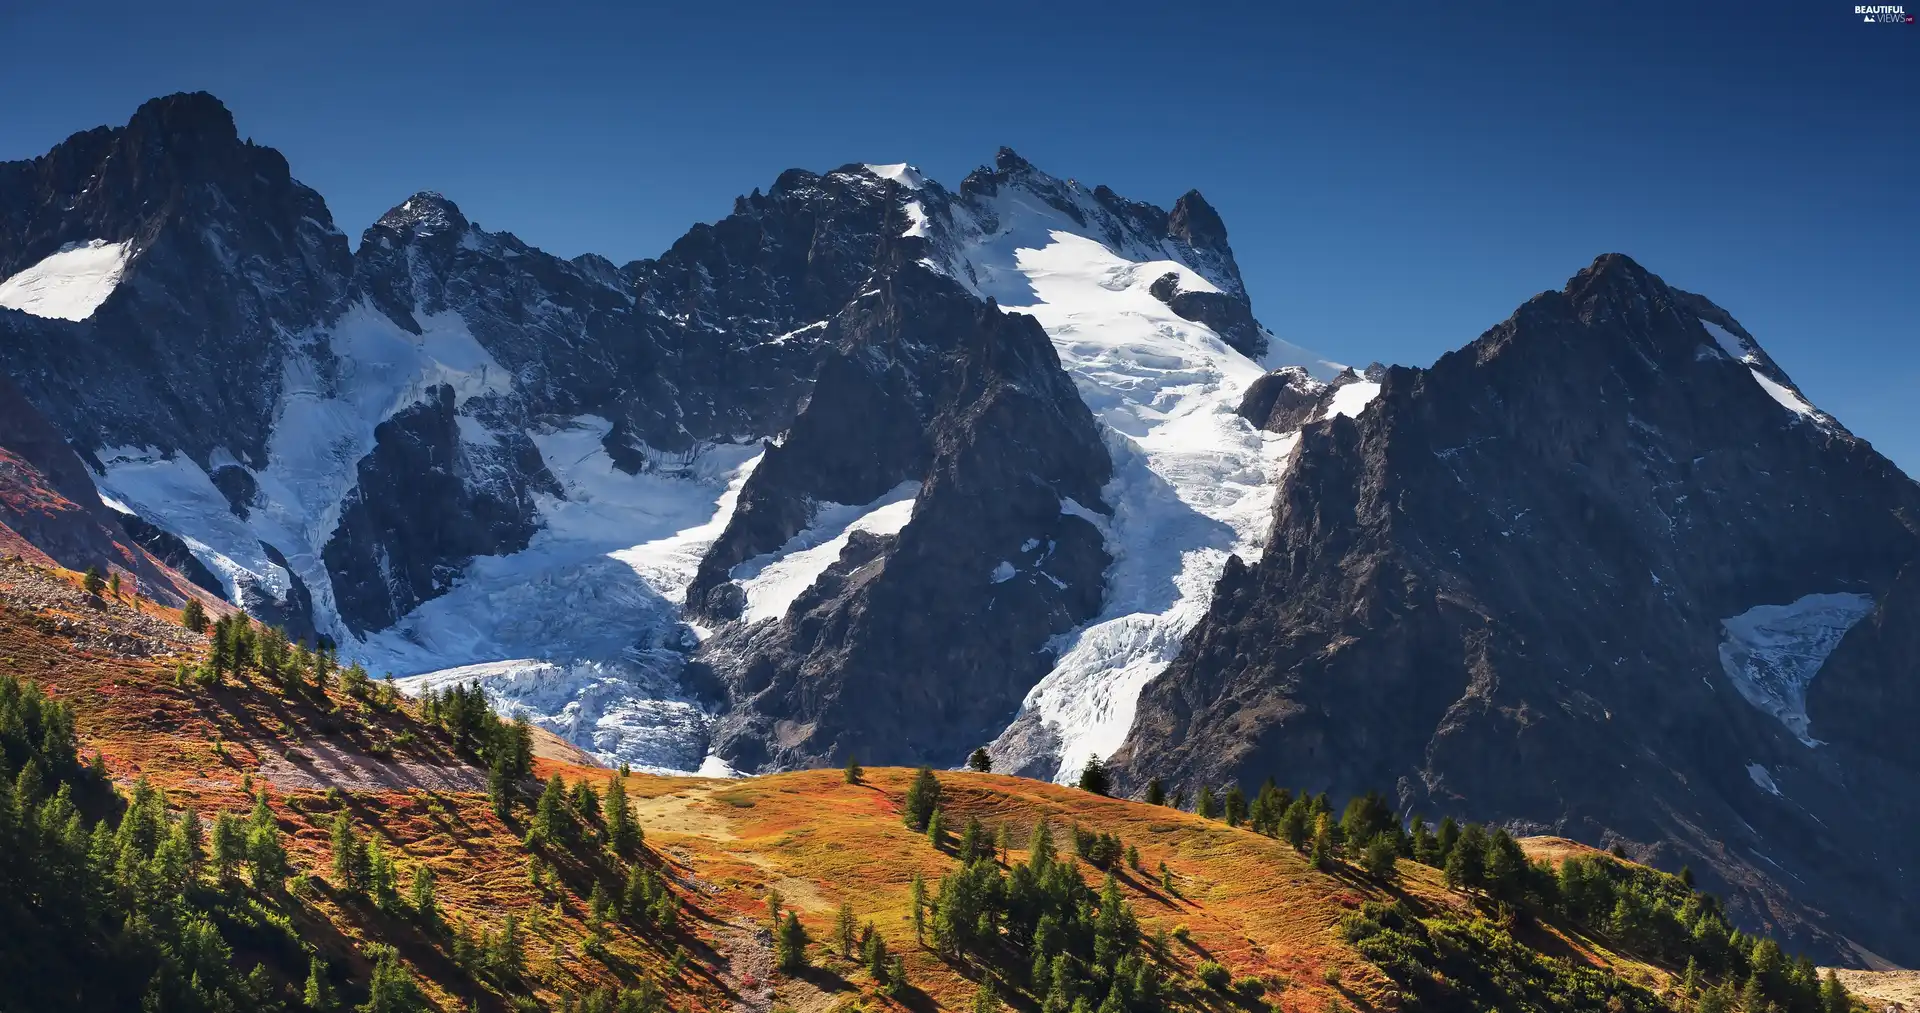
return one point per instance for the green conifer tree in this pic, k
(845, 928)
(623, 834)
(923, 798)
(319, 996)
(790, 945)
(1094, 777)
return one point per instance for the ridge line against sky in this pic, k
(1395, 179)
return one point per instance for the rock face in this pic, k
(426, 500)
(229, 257)
(919, 643)
(1522, 586)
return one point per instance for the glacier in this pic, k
(581, 630)
(1193, 482)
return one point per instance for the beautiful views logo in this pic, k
(1884, 15)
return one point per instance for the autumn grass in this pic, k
(1240, 899)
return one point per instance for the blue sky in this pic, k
(1396, 178)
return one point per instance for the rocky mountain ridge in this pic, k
(872, 467)
(1581, 576)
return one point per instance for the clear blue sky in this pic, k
(1395, 177)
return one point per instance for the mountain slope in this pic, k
(1212, 917)
(1578, 576)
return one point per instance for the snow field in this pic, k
(69, 284)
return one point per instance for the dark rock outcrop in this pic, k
(441, 501)
(1498, 592)
(915, 646)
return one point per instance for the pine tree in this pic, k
(980, 761)
(229, 844)
(923, 798)
(1094, 777)
(1382, 854)
(1322, 853)
(349, 855)
(874, 951)
(1833, 995)
(1466, 861)
(790, 945)
(937, 830)
(1003, 841)
(1040, 848)
(508, 957)
(549, 813)
(585, 803)
(319, 992)
(844, 929)
(1205, 807)
(852, 770)
(973, 840)
(623, 834)
(194, 616)
(381, 884)
(1297, 822)
(1449, 835)
(1425, 848)
(773, 909)
(984, 1001)
(94, 582)
(191, 837)
(421, 898)
(500, 786)
(1156, 792)
(391, 988)
(266, 854)
(1236, 805)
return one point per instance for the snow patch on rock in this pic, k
(1743, 351)
(773, 580)
(1772, 652)
(1352, 399)
(69, 284)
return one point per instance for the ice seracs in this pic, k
(69, 284)
(581, 630)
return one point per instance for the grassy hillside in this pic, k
(369, 795)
